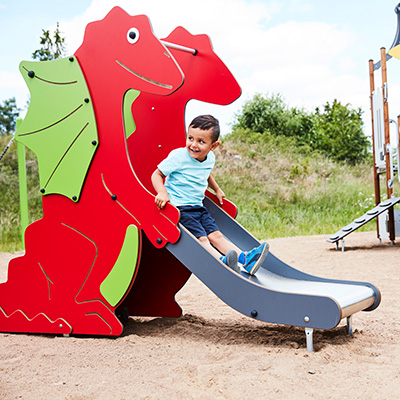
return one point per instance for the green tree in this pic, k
(261, 114)
(270, 114)
(340, 132)
(337, 131)
(8, 116)
(53, 46)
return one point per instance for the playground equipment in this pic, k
(99, 122)
(386, 155)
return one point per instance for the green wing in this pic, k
(60, 125)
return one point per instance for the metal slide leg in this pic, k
(343, 245)
(309, 340)
(349, 321)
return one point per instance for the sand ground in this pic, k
(213, 352)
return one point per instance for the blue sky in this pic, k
(310, 51)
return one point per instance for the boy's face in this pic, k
(199, 143)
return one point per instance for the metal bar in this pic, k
(389, 189)
(309, 340)
(349, 327)
(179, 47)
(376, 175)
(398, 146)
(23, 191)
(23, 188)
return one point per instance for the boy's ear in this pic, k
(215, 145)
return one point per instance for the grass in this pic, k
(280, 190)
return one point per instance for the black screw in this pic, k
(94, 142)
(86, 100)
(159, 241)
(114, 197)
(74, 198)
(71, 59)
(42, 190)
(31, 74)
(254, 313)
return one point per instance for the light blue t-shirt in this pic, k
(187, 178)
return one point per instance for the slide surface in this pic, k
(278, 293)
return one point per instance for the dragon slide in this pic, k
(99, 122)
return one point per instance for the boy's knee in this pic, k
(203, 239)
(215, 236)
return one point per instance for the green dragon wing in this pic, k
(60, 125)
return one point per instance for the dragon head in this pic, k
(121, 52)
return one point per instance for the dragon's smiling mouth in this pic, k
(163, 85)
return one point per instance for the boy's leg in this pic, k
(206, 243)
(218, 240)
(230, 259)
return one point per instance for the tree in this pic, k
(8, 116)
(337, 131)
(53, 46)
(271, 114)
(340, 130)
(262, 114)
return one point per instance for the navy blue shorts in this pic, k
(197, 220)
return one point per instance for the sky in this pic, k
(309, 51)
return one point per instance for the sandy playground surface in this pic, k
(213, 352)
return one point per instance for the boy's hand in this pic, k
(220, 195)
(161, 200)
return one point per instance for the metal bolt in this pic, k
(94, 142)
(306, 319)
(74, 198)
(61, 325)
(71, 59)
(31, 74)
(254, 313)
(42, 190)
(86, 100)
(114, 197)
(159, 241)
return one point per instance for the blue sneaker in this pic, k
(255, 257)
(231, 260)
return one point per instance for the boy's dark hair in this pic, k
(206, 122)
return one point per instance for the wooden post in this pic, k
(389, 188)
(376, 175)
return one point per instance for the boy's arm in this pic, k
(218, 191)
(162, 198)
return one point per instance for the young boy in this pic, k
(188, 174)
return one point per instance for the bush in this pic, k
(340, 133)
(337, 131)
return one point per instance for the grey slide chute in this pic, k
(278, 293)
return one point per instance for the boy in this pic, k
(188, 174)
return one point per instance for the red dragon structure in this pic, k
(100, 243)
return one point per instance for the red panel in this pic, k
(74, 247)
(160, 128)
(160, 121)
(49, 279)
(159, 278)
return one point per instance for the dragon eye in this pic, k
(132, 35)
